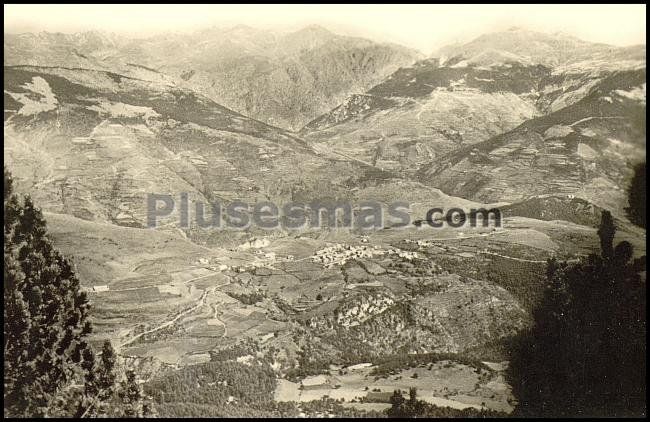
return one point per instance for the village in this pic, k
(339, 254)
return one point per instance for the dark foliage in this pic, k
(223, 385)
(45, 313)
(636, 211)
(414, 408)
(49, 367)
(585, 354)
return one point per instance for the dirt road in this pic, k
(177, 317)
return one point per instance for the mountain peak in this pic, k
(309, 37)
(315, 30)
(243, 29)
(563, 34)
(532, 47)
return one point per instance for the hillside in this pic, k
(470, 126)
(284, 79)
(321, 321)
(426, 110)
(587, 149)
(91, 143)
(552, 50)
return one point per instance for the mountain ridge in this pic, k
(556, 49)
(284, 79)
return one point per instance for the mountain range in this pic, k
(557, 50)
(546, 127)
(284, 79)
(574, 108)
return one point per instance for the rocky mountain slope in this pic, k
(93, 144)
(96, 130)
(382, 323)
(583, 101)
(283, 79)
(587, 149)
(426, 110)
(552, 50)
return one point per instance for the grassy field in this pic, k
(175, 302)
(443, 383)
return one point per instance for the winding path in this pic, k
(216, 316)
(513, 258)
(179, 316)
(171, 321)
(322, 149)
(158, 284)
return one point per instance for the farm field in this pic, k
(443, 383)
(145, 284)
(320, 295)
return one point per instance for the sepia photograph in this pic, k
(324, 210)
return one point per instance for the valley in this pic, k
(321, 321)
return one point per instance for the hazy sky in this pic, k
(425, 27)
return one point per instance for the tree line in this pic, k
(585, 354)
(50, 368)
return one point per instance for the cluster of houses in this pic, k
(263, 260)
(339, 254)
(422, 242)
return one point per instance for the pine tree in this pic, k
(46, 327)
(106, 395)
(413, 393)
(606, 235)
(637, 197)
(107, 375)
(585, 354)
(131, 396)
(45, 316)
(100, 382)
(397, 405)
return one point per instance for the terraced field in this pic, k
(178, 311)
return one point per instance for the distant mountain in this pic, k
(426, 110)
(587, 149)
(95, 122)
(92, 144)
(466, 129)
(552, 50)
(282, 79)
(450, 107)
